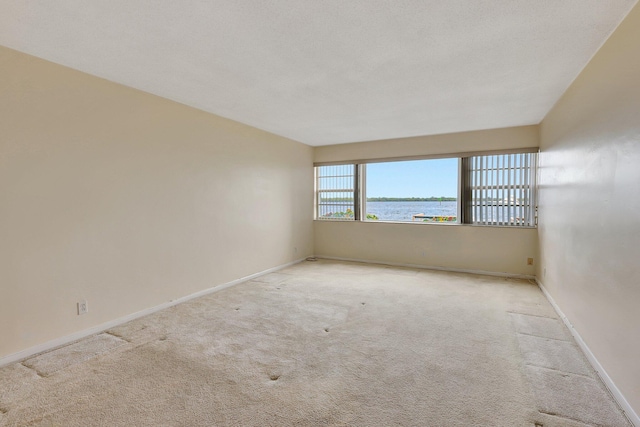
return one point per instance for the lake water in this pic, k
(403, 211)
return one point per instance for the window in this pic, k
(483, 189)
(415, 190)
(500, 189)
(336, 192)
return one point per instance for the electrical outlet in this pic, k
(83, 307)
(529, 261)
(295, 250)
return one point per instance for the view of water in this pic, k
(403, 211)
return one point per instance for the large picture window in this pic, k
(493, 189)
(416, 190)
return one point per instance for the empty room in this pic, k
(320, 213)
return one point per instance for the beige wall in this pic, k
(130, 200)
(462, 142)
(590, 206)
(457, 247)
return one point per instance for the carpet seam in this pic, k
(532, 315)
(40, 374)
(118, 336)
(539, 336)
(558, 370)
(571, 419)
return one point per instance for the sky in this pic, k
(416, 178)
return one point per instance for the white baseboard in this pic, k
(606, 379)
(59, 342)
(427, 267)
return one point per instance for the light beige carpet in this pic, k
(324, 344)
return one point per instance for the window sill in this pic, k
(448, 224)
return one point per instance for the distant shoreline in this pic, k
(394, 199)
(411, 199)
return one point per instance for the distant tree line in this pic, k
(411, 199)
(392, 199)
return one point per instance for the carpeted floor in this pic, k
(324, 344)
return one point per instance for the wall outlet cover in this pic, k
(83, 307)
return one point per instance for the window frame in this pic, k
(464, 196)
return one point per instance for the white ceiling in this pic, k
(329, 71)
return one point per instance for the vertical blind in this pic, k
(501, 189)
(335, 191)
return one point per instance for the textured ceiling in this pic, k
(329, 71)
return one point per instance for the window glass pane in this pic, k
(416, 190)
(335, 186)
